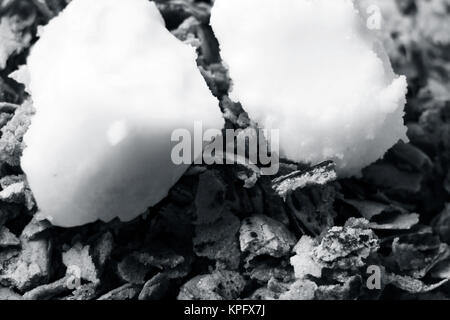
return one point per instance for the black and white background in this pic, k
(215, 238)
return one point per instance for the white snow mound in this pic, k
(313, 70)
(109, 84)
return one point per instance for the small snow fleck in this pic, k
(117, 132)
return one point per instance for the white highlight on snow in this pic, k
(117, 132)
(313, 69)
(97, 62)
